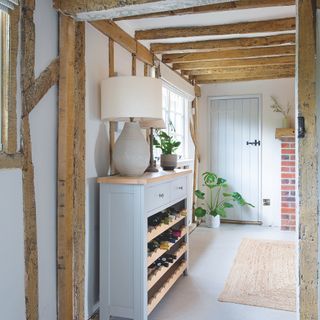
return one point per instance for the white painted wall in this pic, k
(283, 89)
(97, 147)
(12, 304)
(43, 123)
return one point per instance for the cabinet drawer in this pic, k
(157, 196)
(178, 188)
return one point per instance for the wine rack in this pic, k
(139, 263)
(154, 301)
(164, 227)
(153, 256)
(157, 275)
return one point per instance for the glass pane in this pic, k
(175, 112)
(4, 68)
(179, 125)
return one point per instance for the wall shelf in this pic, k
(285, 133)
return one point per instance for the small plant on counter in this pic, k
(215, 202)
(167, 144)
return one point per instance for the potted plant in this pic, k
(276, 107)
(217, 201)
(165, 142)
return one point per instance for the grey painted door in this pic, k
(235, 150)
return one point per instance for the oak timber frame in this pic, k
(71, 181)
(308, 233)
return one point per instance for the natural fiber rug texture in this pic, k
(263, 275)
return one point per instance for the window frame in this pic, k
(184, 136)
(9, 31)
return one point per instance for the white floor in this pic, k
(211, 256)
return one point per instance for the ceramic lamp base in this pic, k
(131, 152)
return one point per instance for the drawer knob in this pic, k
(161, 195)
(180, 188)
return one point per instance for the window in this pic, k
(175, 114)
(4, 70)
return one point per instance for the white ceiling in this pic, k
(213, 18)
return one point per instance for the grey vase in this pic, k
(168, 161)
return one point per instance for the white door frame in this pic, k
(246, 96)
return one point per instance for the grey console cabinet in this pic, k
(126, 290)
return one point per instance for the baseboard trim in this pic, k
(259, 223)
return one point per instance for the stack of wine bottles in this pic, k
(165, 239)
(163, 261)
(164, 217)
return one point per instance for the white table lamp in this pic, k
(131, 99)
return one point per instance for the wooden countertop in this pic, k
(149, 177)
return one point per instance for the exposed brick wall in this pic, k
(288, 184)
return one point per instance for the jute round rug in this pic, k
(263, 275)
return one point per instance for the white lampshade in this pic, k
(131, 97)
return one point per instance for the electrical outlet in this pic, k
(266, 202)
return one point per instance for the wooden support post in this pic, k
(66, 142)
(112, 124)
(29, 207)
(308, 174)
(146, 70)
(134, 65)
(30, 226)
(111, 58)
(194, 130)
(71, 171)
(79, 176)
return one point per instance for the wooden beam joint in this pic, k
(41, 85)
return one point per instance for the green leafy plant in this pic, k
(217, 201)
(165, 142)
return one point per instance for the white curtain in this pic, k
(7, 5)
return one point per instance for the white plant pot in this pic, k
(213, 222)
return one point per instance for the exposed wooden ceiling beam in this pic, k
(249, 78)
(188, 67)
(224, 43)
(234, 5)
(243, 75)
(232, 69)
(113, 31)
(287, 24)
(229, 54)
(242, 71)
(90, 10)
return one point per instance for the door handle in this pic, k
(254, 143)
